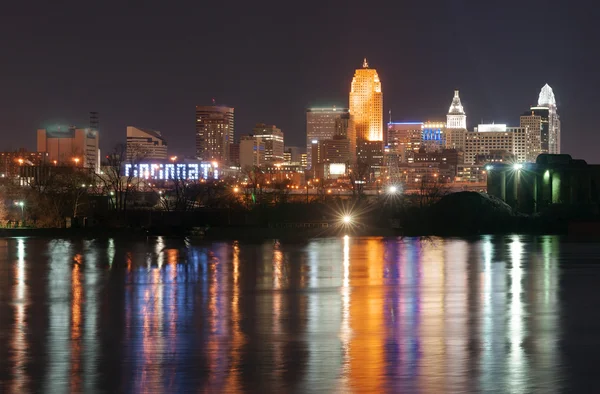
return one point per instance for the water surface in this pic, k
(493, 314)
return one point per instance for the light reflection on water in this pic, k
(334, 315)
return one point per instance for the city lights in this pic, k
(347, 219)
(517, 166)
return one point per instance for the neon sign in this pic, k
(159, 171)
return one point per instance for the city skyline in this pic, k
(161, 94)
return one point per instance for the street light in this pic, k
(76, 160)
(173, 158)
(392, 190)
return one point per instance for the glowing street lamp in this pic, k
(347, 219)
(22, 205)
(393, 190)
(173, 158)
(76, 160)
(517, 166)
(20, 162)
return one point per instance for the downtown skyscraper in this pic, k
(214, 133)
(323, 124)
(366, 107)
(544, 119)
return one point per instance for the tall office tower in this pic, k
(214, 133)
(323, 124)
(273, 139)
(70, 146)
(456, 125)
(145, 144)
(366, 108)
(545, 117)
(404, 138)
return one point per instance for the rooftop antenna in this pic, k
(390, 116)
(214, 101)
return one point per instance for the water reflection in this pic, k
(332, 315)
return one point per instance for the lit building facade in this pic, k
(273, 140)
(252, 151)
(70, 146)
(404, 137)
(10, 162)
(433, 135)
(214, 132)
(366, 107)
(323, 124)
(145, 144)
(498, 137)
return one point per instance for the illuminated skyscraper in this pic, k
(323, 124)
(214, 132)
(366, 107)
(456, 125)
(456, 118)
(545, 118)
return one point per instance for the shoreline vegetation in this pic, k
(457, 214)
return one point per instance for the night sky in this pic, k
(149, 63)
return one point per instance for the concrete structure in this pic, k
(70, 146)
(214, 133)
(11, 162)
(324, 123)
(273, 140)
(552, 179)
(366, 107)
(252, 151)
(145, 144)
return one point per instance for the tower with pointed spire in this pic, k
(456, 118)
(366, 105)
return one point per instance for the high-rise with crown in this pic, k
(456, 118)
(366, 107)
(456, 125)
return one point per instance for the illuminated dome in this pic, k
(546, 97)
(456, 107)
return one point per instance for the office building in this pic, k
(145, 144)
(252, 151)
(366, 109)
(403, 138)
(293, 154)
(214, 133)
(498, 137)
(323, 124)
(70, 146)
(273, 140)
(234, 154)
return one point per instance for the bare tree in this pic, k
(255, 184)
(114, 181)
(430, 190)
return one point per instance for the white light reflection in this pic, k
(90, 334)
(19, 342)
(110, 252)
(517, 367)
(59, 330)
(345, 330)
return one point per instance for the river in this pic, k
(511, 313)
